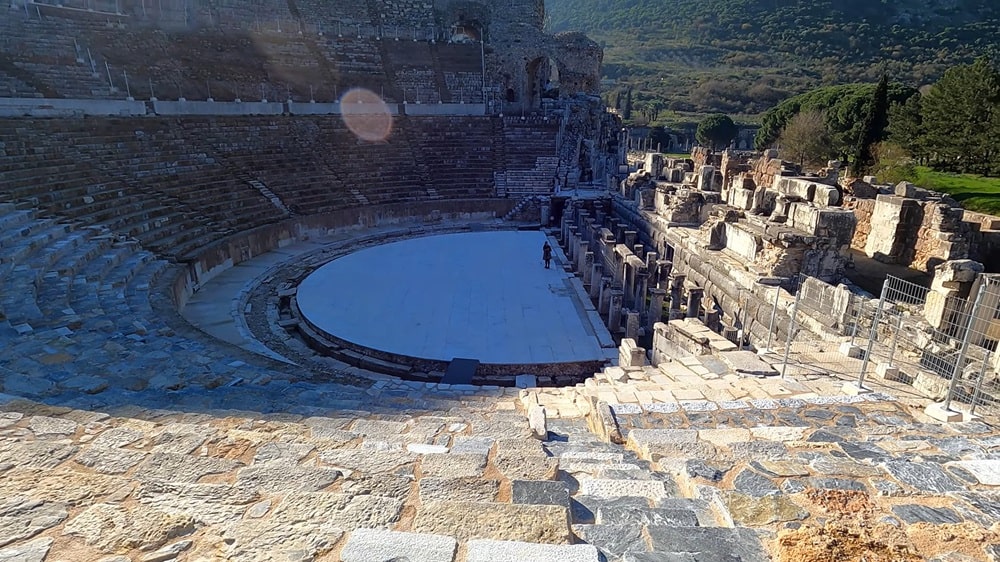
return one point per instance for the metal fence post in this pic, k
(956, 374)
(979, 384)
(872, 335)
(895, 337)
(791, 332)
(857, 322)
(774, 313)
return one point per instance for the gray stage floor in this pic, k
(482, 295)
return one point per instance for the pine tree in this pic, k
(906, 128)
(627, 110)
(716, 131)
(959, 118)
(872, 128)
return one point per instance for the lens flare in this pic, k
(366, 114)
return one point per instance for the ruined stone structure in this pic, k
(917, 228)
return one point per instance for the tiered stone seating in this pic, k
(418, 85)
(11, 86)
(141, 180)
(244, 14)
(458, 153)
(531, 163)
(54, 55)
(352, 55)
(418, 15)
(462, 67)
(328, 14)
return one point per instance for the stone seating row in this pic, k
(174, 185)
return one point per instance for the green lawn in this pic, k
(976, 193)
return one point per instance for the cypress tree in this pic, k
(872, 127)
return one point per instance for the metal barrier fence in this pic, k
(942, 344)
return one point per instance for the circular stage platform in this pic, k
(480, 295)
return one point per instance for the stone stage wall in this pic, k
(224, 254)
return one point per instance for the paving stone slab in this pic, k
(925, 477)
(22, 518)
(836, 484)
(625, 409)
(207, 504)
(43, 426)
(782, 469)
(759, 511)
(450, 465)
(986, 472)
(592, 456)
(460, 489)
(761, 450)
(987, 502)
(862, 451)
(498, 521)
(708, 542)
(109, 461)
(367, 461)
(584, 508)
(33, 551)
(182, 468)
(515, 467)
(620, 515)
(714, 472)
(613, 540)
(540, 492)
(117, 437)
(113, 528)
(464, 444)
(662, 407)
(280, 478)
(607, 488)
(284, 453)
(378, 545)
(375, 428)
(912, 513)
(754, 484)
(507, 551)
(747, 363)
(779, 433)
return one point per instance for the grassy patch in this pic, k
(976, 193)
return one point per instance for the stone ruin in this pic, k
(917, 228)
(779, 221)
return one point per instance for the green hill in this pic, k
(743, 56)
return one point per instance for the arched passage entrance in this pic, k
(543, 81)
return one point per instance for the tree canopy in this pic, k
(716, 131)
(842, 107)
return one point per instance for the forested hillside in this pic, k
(744, 56)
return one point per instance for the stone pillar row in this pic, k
(627, 282)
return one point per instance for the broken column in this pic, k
(632, 321)
(952, 283)
(630, 355)
(582, 248)
(655, 308)
(615, 310)
(695, 295)
(596, 274)
(676, 291)
(706, 178)
(588, 268)
(604, 301)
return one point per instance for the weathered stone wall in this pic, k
(232, 251)
(918, 233)
(863, 210)
(941, 237)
